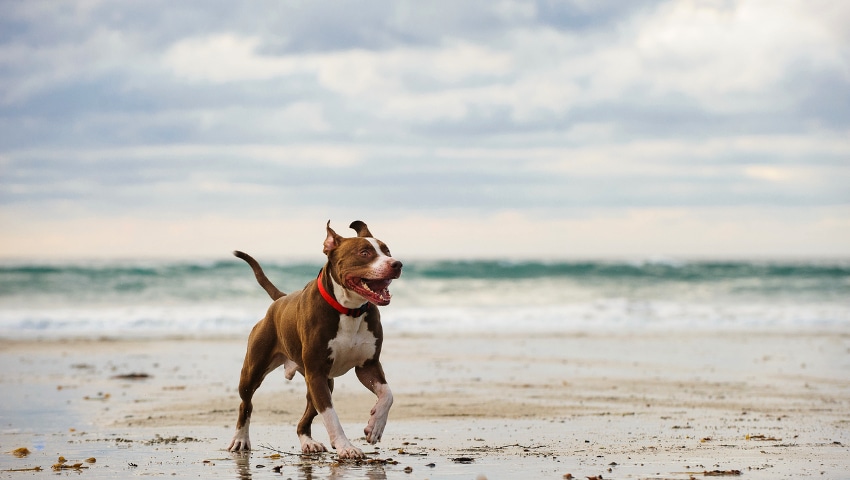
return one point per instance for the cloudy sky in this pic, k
(482, 128)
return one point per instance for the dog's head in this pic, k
(362, 264)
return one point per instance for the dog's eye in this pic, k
(364, 253)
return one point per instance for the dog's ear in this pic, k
(332, 240)
(361, 229)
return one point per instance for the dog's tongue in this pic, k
(380, 290)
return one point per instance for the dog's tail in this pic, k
(261, 276)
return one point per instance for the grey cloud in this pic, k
(824, 98)
(421, 181)
(592, 15)
(126, 100)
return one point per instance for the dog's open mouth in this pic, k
(375, 290)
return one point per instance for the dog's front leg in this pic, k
(320, 393)
(371, 375)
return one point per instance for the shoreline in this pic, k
(643, 404)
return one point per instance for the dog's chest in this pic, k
(352, 345)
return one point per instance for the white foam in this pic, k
(189, 303)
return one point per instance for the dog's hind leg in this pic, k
(305, 426)
(260, 359)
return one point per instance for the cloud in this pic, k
(191, 179)
(225, 58)
(512, 111)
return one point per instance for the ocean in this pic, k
(221, 297)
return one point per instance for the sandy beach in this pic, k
(641, 404)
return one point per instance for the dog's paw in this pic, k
(240, 441)
(239, 444)
(350, 451)
(375, 428)
(308, 445)
(373, 435)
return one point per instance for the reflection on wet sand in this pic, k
(243, 465)
(324, 467)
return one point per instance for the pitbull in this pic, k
(322, 331)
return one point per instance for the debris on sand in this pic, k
(762, 438)
(20, 452)
(160, 440)
(721, 473)
(62, 464)
(100, 397)
(463, 460)
(132, 376)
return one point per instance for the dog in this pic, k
(322, 331)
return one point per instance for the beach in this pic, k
(606, 239)
(633, 404)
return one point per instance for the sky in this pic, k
(478, 129)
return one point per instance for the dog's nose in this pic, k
(396, 265)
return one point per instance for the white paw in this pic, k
(240, 441)
(308, 445)
(375, 427)
(374, 430)
(350, 451)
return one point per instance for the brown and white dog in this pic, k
(323, 331)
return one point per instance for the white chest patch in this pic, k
(352, 346)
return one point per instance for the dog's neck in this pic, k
(343, 300)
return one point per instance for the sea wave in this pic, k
(222, 297)
(602, 315)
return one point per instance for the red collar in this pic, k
(351, 312)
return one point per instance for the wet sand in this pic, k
(626, 405)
